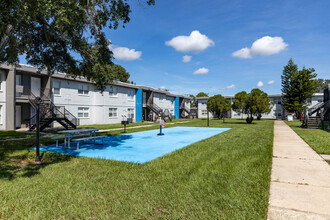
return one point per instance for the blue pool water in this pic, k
(141, 147)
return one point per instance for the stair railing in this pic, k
(315, 108)
(49, 109)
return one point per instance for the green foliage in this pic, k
(321, 83)
(218, 105)
(297, 86)
(254, 103)
(193, 101)
(202, 94)
(120, 73)
(260, 102)
(240, 101)
(63, 35)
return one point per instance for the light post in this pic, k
(208, 119)
(38, 158)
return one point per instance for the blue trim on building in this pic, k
(177, 107)
(138, 105)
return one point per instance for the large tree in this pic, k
(261, 102)
(202, 94)
(240, 101)
(119, 73)
(254, 103)
(62, 35)
(219, 106)
(297, 87)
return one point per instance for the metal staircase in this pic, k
(159, 111)
(184, 108)
(315, 108)
(322, 109)
(50, 113)
(155, 108)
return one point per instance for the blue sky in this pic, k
(303, 26)
(214, 34)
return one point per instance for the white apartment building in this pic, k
(277, 110)
(77, 100)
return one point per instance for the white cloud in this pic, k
(260, 84)
(194, 43)
(201, 71)
(186, 58)
(271, 82)
(232, 86)
(197, 63)
(242, 53)
(264, 46)
(124, 53)
(162, 87)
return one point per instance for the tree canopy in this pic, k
(260, 102)
(193, 102)
(63, 35)
(297, 86)
(202, 94)
(321, 83)
(218, 105)
(254, 103)
(240, 101)
(120, 73)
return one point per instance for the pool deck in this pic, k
(300, 179)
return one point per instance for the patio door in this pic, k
(18, 118)
(35, 86)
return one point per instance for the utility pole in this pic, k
(208, 119)
(38, 158)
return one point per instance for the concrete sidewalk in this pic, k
(300, 179)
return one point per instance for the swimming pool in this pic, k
(141, 147)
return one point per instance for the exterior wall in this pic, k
(276, 110)
(177, 107)
(10, 99)
(98, 104)
(138, 110)
(2, 100)
(201, 107)
(164, 102)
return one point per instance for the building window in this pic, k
(204, 112)
(113, 113)
(130, 113)
(83, 112)
(57, 87)
(113, 92)
(131, 94)
(83, 90)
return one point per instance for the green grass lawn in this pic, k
(226, 176)
(119, 125)
(318, 139)
(11, 134)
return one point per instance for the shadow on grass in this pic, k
(11, 134)
(17, 159)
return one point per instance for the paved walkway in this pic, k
(300, 180)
